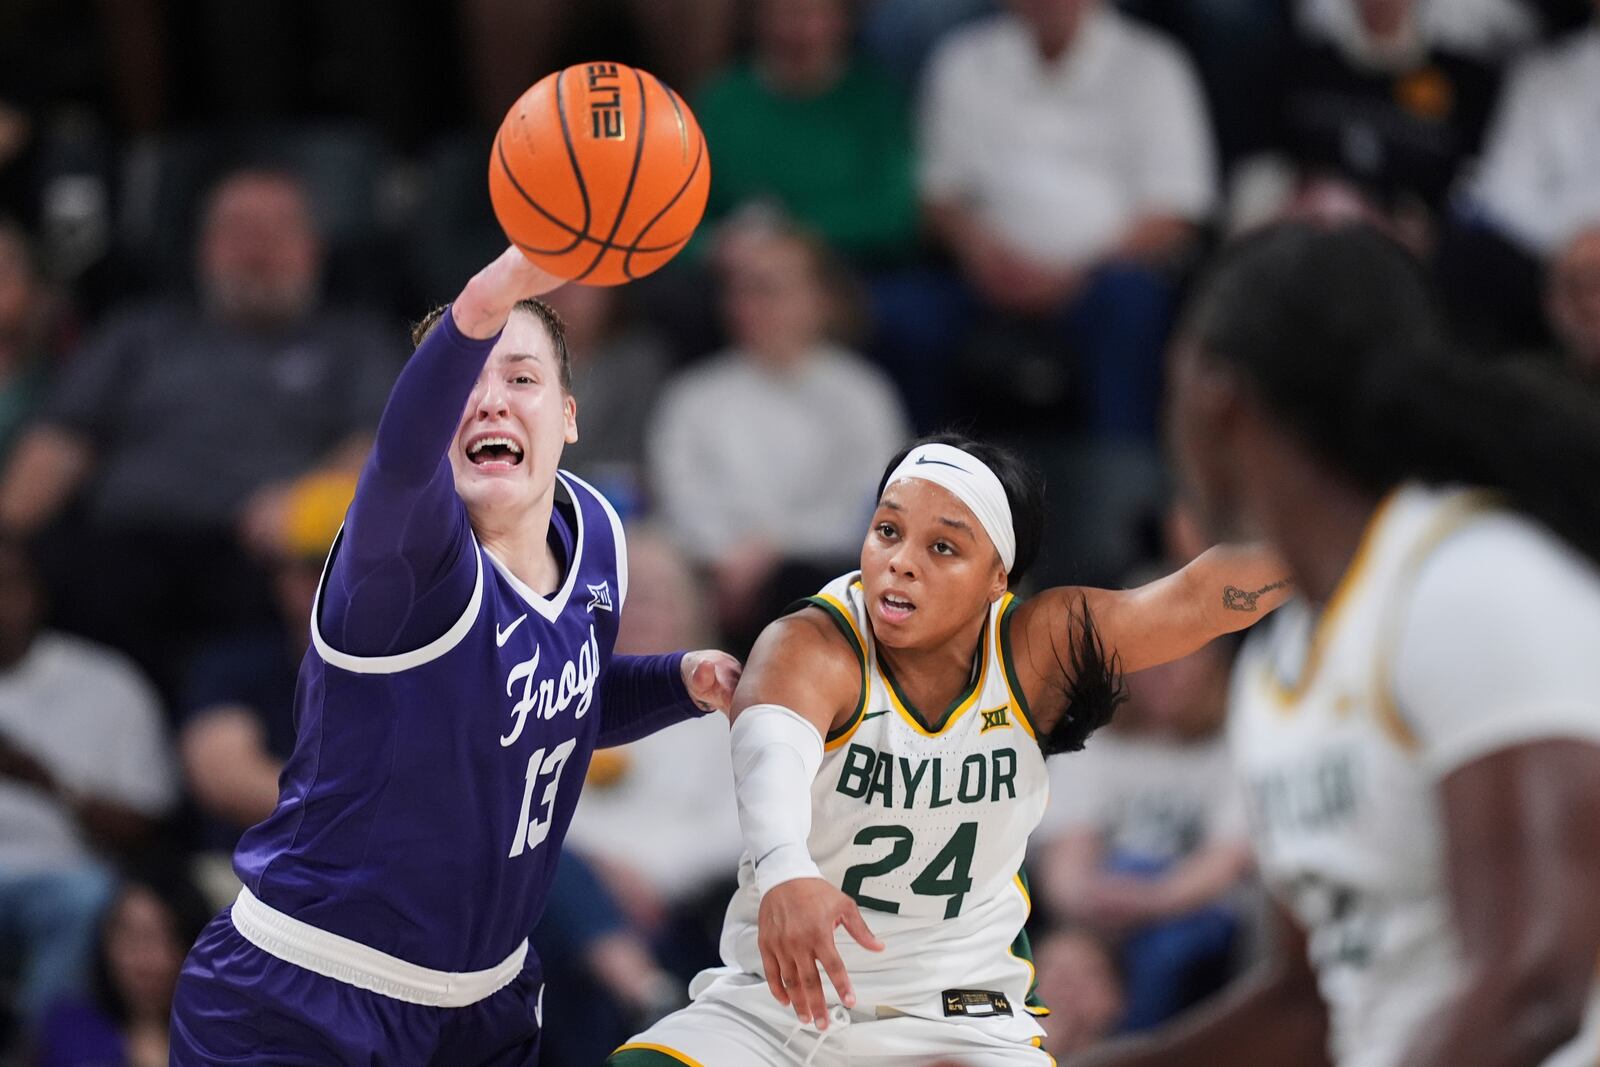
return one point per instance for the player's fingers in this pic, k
(774, 970)
(810, 991)
(838, 975)
(850, 916)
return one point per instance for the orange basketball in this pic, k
(599, 173)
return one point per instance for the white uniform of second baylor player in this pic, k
(926, 830)
(1458, 630)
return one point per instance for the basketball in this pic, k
(599, 173)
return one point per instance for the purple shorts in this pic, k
(236, 1004)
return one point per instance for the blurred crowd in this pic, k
(216, 220)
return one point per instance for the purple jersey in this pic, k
(429, 791)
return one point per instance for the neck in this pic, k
(1317, 522)
(936, 675)
(522, 542)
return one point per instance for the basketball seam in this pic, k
(572, 153)
(633, 176)
(578, 235)
(700, 154)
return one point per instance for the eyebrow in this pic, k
(518, 357)
(943, 519)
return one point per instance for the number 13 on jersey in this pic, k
(531, 833)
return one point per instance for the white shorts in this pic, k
(737, 1023)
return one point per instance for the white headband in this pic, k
(972, 483)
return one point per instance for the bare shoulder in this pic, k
(803, 662)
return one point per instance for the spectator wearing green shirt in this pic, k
(807, 127)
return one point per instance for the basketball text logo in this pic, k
(605, 102)
(994, 719)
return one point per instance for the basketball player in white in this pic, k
(1420, 730)
(889, 752)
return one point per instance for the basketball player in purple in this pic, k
(460, 675)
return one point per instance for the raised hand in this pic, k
(797, 921)
(711, 677)
(484, 305)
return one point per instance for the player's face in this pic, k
(928, 568)
(517, 421)
(1199, 417)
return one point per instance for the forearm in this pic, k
(46, 468)
(1230, 587)
(640, 695)
(424, 409)
(1500, 1019)
(1155, 239)
(1269, 1018)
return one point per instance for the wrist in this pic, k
(786, 863)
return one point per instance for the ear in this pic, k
(1001, 582)
(569, 409)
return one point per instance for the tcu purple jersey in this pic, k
(424, 806)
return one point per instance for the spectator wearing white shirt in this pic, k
(765, 458)
(1066, 161)
(85, 772)
(1534, 190)
(1144, 840)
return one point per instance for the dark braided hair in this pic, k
(1338, 333)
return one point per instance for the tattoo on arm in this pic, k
(1236, 599)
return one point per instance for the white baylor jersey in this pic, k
(1342, 773)
(926, 830)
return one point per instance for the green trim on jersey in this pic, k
(966, 695)
(1022, 948)
(843, 624)
(1011, 672)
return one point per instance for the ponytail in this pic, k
(1339, 335)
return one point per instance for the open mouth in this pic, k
(494, 450)
(895, 608)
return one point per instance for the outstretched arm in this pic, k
(1227, 588)
(1272, 1015)
(642, 694)
(400, 577)
(801, 679)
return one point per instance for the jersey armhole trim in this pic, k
(1458, 515)
(836, 613)
(1013, 683)
(400, 661)
(619, 538)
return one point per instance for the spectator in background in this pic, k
(85, 772)
(804, 124)
(1535, 189)
(618, 368)
(1537, 185)
(25, 320)
(147, 930)
(765, 458)
(1067, 162)
(1573, 301)
(182, 427)
(1377, 112)
(237, 707)
(1144, 840)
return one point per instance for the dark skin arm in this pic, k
(1223, 590)
(1273, 1017)
(1524, 876)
